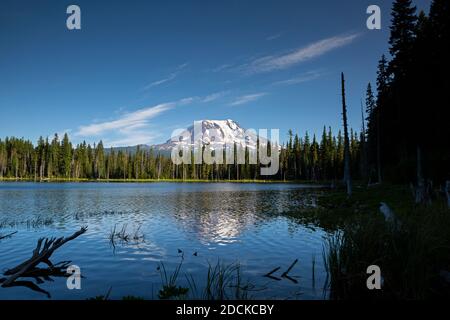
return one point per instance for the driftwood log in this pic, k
(41, 254)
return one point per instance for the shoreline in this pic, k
(245, 181)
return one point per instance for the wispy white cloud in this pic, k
(247, 99)
(284, 61)
(214, 96)
(169, 78)
(274, 36)
(222, 67)
(182, 66)
(305, 77)
(135, 127)
(160, 82)
(136, 138)
(135, 119)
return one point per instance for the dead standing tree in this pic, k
(447, 192)
(423, 190)
(41, 254)
(347, 174)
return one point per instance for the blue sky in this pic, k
(137, 70)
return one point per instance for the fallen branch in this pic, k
(290, 268)
(39, 255)
(273, 271)
(8, 235)
(285, 274)
(270, 274)
(58, 270)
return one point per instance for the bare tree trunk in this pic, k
(447, 193)
(35, 170)
(422, 190)
(347, 174)
(364, 157)
(378, 147)
(159, 167)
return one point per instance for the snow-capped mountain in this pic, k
(210, 131)
(215, 132)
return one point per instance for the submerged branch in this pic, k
(8, 235)
(42, 253)
(270, 274)
(290, 268)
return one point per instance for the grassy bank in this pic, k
(412, 250)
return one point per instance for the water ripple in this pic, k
(205, 222)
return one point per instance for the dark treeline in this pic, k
(300, 158)
(59, 159)
(309, 159)
(408, 110)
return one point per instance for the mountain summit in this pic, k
(212, 131)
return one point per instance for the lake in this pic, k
(196, 223)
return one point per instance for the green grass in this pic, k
(411, 255)
(334, 208)
(170, 289)
(222, 282)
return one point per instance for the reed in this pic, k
(223, 282)
(411, 257)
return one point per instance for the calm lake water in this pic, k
(245, 223)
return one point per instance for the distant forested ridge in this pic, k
(408, 112)
(303, 158)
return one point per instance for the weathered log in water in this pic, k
(8, 235)
(42, 253)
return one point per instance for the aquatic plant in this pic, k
(35, 223)
(124, 236)
(102, 297)
(170, 289)
(223, 282)
(412, 257)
